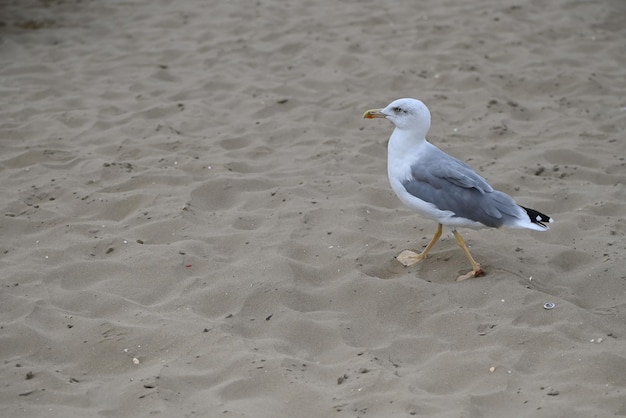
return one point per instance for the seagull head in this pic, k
(407, 114)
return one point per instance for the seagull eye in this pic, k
(398, 109)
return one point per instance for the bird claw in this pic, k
(408, 258)
(477, 272)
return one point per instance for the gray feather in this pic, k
(452, 185)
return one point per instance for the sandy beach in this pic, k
(196, 220)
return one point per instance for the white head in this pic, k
(407, 114)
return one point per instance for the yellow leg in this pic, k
(409, 258)
(477, 270)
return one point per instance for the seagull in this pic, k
(443, 188)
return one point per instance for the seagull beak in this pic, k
(374, 113)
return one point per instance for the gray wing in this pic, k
(452, 185)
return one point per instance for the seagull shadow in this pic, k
(441, 266)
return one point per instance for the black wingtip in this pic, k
(537, 217)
